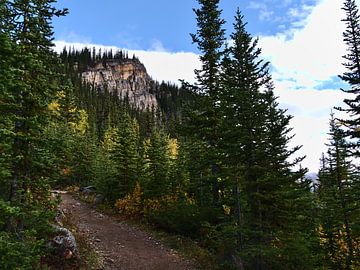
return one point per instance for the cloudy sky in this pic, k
(301, 38)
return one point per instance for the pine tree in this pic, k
(261, 181)
(7, 78)
(203, 119)
(338, 182)
(157, 166)
(30, 94)
(125, 155)
(31, 82)
(352, 75)
(243, 112)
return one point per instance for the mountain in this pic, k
(125, 77)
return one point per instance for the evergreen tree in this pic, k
(261, 181)
(203, 118)
(338, 182)
(157, 166)
(125, 155)
(243, 111)
(7, 79)
(31, 82)
(352, 75)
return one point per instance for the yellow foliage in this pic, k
(65, 171)
(61, 94)
(54, 107)
(227, 209)
(173, 148)
(108, 142)
(82, 125)
(158, 204)
(131, 204)
(339, 237)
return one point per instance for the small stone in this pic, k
(110, 260)
(68, 254)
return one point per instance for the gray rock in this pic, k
(63, 244)
(99, 199)
(87, 190)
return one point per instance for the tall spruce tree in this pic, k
(243, 113)
(32, 81)
(29, 28)
(261, 177)
(352, 75)
(157, 166)
(338, 184)
(125, 155)
(203, 116)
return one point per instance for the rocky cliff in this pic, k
(126, 77)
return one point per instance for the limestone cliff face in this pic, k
(126, 77)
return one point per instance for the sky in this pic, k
(301, 38)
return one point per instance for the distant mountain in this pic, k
(312, 175)
(127, 78)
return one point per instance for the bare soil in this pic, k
(119, 244)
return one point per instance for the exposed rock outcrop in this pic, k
(126, 77)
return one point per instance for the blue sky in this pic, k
(144, 24)
(301, 38)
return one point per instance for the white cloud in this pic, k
(311, 110)
(302, 60)
(157, 46)
(74, 37)
(264, 13)
(312, 54)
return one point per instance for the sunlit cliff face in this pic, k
(128, 78)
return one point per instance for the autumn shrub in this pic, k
(131, 205)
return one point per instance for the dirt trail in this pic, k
(121, 245)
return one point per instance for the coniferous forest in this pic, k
(212, 162)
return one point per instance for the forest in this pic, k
(211, 162)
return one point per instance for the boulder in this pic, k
(87, 190)
(63, 244)
(99, 199)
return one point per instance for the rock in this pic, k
(110, 260)
(87, 190)
(68, 254)
(125, 77)
(99, 199)
(63, 244)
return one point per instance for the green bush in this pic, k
(182, 218)
(19, 253)
(22, 244)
